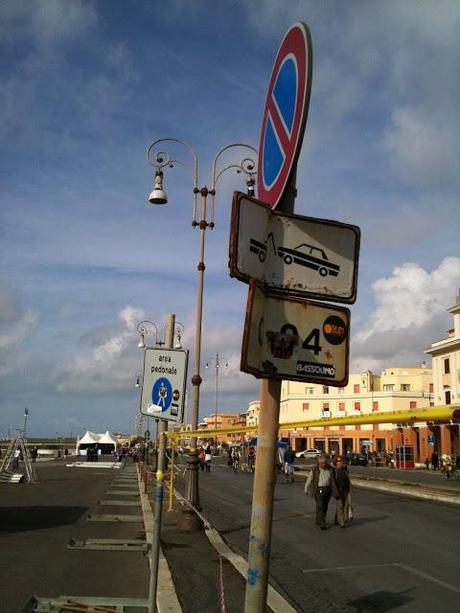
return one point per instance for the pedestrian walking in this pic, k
(435, 460)
(321, 486)
(208, 458)
(343, 497)
(289, 458)
(201, 456)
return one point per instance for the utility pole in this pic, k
(26, 415)
(217, 365)
(260, 532)
(159, 487)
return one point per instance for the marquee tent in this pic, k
(103, 443)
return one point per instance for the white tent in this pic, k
(108, 439)
(106, 443)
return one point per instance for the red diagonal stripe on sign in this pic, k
(278, 125)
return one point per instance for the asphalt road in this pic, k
(398, 554)
(38, 520)
(430, 478)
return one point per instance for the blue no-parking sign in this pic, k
(285, 114)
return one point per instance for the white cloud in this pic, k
(16, 321)
(110, 365)
(410, 313)
(16, 324)
(46, 22)
(422, 148)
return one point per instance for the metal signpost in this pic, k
(295, 339)
(285, 115)
(163, 388)
(287, 258)
(298, 255)
(163, 396)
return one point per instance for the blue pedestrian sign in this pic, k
(285, 114)
(431, 439)
(164, 383)
(162, 394)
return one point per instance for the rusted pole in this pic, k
(159, 488)
(264, 477)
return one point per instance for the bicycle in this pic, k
(236, 464)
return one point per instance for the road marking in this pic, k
(240, 490)
(354, 566)
(419, 573)
(410, 569)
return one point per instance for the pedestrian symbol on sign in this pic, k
(162, 394)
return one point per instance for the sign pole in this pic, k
(159, 487)
(260, 533)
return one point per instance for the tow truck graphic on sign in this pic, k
(293, 254)
(304, 255)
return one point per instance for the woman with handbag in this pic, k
(343, 511)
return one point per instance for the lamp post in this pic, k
(160, 160)
(26, 415)
(216, 365)
(145, 328)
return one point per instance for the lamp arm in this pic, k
(163, 159)
(247, 165)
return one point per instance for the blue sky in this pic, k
(85, 86)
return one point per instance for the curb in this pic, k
(413, 490)
(167, 600)
(276, 602)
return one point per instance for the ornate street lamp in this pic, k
(162, 160)
(216, 365)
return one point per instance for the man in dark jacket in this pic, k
(321, 486)
(289, 459)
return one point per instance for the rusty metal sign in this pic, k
(293, 254)
(299, 340)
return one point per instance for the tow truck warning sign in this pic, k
(290, 338)
(293, 254)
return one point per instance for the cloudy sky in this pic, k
(86, 85)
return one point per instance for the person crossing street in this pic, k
(321, 485)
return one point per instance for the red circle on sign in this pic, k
(296, 46)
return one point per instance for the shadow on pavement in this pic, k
(19, 519)
(379, 602)
(360, 521)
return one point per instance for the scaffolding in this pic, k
(18, 452)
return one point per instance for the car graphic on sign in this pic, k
(311, 257)
(260, 249)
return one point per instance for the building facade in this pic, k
(446, 379)
(223, 420)
(395, 389)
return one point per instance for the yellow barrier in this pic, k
(430, 414)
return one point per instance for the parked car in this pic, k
(355, 459)
(308, 453)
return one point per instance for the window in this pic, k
(356, 388)
(446, 366)
(341, 406)
(325, 406)
(375, 406)
(388, 387)
(357, 406)
(413, 404)
(309, 390)
(305, 406)
(431, 388)
(447, 397)
(325, 389)
(405, 387)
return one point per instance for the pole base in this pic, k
(188, 521)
